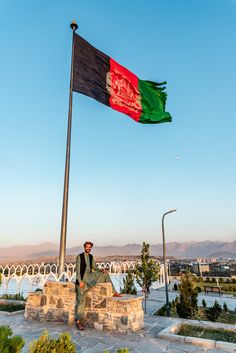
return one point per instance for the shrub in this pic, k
(226, 288)
(11, 307)
(47, 344)
(199, 314)
(214, 312)
(10, 344)
(18, 296)
(128, 282)
(225, 307)
(176, 300)
(162, 311)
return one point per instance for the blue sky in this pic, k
(124, 175)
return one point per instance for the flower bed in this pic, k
(208, 333)
(201, 333)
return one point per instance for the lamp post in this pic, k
(164, 260)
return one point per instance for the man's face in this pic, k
(87, 248)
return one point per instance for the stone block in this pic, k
(52, 300)
(226, 346)
(101, 290)
(88, 302)
(170, 337)
(98, 326)
(34, 299)
(33, 313)
(43, 301)
(200, 342)
(60, 303)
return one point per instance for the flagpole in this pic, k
(62, 250)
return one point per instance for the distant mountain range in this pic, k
(187, 249)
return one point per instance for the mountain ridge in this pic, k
(207, 248)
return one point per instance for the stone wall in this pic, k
(104, 312)
(57, 303)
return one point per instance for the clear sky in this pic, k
(124, 175)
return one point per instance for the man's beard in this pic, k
(87, 251)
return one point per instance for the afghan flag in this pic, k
(98, 76)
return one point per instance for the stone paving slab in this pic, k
(92, 341)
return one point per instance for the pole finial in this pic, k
(73, 26)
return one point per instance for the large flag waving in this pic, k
(98, 76)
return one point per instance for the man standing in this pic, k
(87, 276)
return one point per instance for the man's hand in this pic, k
(81, 284)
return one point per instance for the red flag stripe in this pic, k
(122, 86)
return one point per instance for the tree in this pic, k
(204, 304)
(128, 282)
(147, 271)
(10, 344)
(188, 297)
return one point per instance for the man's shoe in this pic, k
(79, 325)
(116, 294)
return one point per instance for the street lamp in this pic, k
(164, 260)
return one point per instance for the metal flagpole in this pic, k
(62, 251)
(164, 260)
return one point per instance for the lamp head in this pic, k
(74, 25)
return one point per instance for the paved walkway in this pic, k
(92, 341)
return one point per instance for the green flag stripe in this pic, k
(153, 99)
